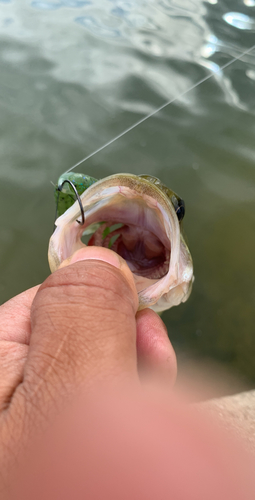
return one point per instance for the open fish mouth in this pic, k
(135, 217)
(144, 251)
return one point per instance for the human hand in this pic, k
(83, 329)
(85, 338)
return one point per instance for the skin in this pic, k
(73, 353)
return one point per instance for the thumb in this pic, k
(83, 328)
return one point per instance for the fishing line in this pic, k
(160, 108)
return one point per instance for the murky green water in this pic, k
(73, 74)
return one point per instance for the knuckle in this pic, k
(99, 283)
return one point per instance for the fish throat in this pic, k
(134, 227)
(143, 251)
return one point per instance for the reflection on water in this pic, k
(74, 74)
(57, 5)
(96, 26)
(238, 20)
(249, 3)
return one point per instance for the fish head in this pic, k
(140, 219)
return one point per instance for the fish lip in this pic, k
(124, 185)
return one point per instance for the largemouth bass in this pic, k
(137, 217)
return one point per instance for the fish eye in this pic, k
(180, 209)
(179, 206)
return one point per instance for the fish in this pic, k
(136, 216)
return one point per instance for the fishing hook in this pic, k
(60, 187)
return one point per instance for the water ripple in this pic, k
(213, 67)
(7, 21)
(186, 6)
(211, 46)
(76, 3)
(249, 3)
(123, 5)
(240, 21)
(208, 50)
(137, 21)
(44, 5)
(251, 74)
(97, 27)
